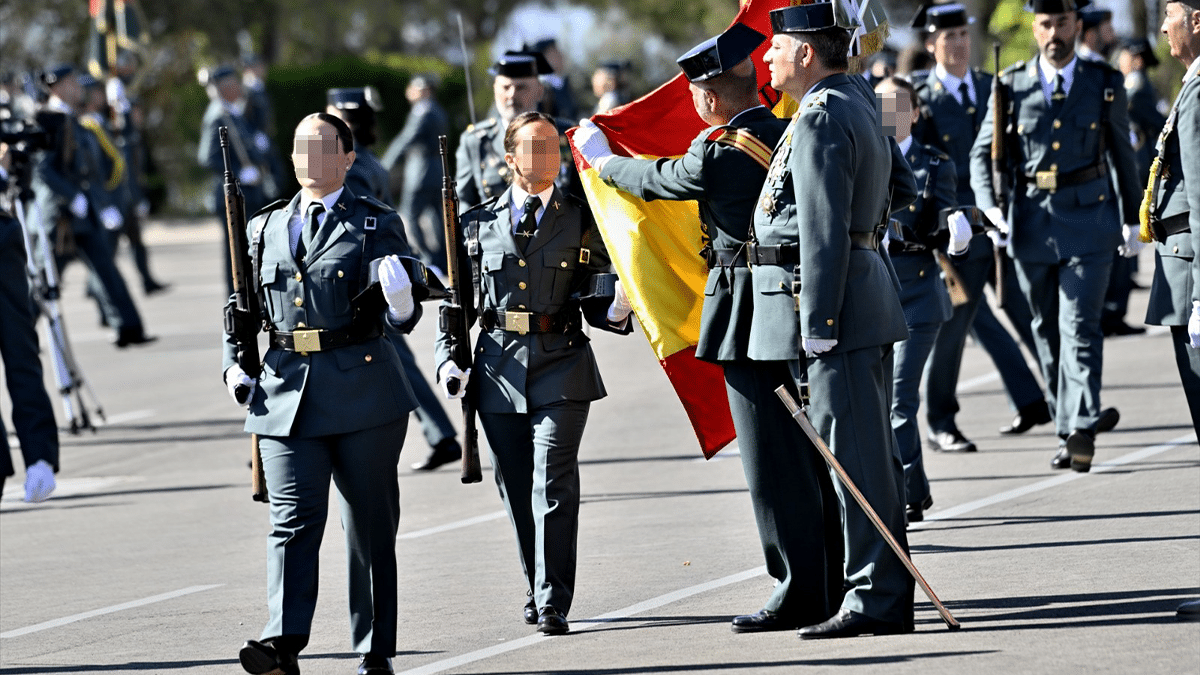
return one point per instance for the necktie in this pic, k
(308, 229)
(528, 223)
(1059, 95)
(965, 95)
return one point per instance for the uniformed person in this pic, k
(923, 294)
(332, 400)
(559, 100)
(723, 170)
(1173, 215)
(535, 249)
(1096, 39)
(1069, 124)
(953, 96)
(826, 198)
(356, 106)
(68, 183)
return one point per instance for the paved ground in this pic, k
(150, 556)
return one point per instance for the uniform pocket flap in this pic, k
(365, 354)
(493, 261)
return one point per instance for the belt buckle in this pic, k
(516, 322)
(306, 340)
(1047, 180)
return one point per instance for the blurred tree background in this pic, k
(310, 46)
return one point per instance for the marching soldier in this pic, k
(356, 106)
(722, 170)
(1069, 124)
(560, 100)
(953, 97)
(332, 400)
(534, 249)
(826, 198)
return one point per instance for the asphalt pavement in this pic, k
(150, 556)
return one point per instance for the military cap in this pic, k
(87, 81)
(542, 45)
(1055, 6)
(352, 98)
(1141, 47)
(932, 18)
(521, 64)
(811, 17)
(718, 54)
(220, 73)
(53, 75)
(1094, 16)
(615, 66)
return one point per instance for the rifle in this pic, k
(1000, 187)
(453, 319)
(242, 314)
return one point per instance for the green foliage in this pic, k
(1011, 26)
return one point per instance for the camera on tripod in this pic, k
(23, 138)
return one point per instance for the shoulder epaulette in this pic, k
(479, 207)
(1019, 65)
(482, 125)
(277, 204)
(742, 140)
(919, 76)
(374, 203)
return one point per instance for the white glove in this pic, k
(620, 308)
(39, 481)
(397, 288)
(1194, 325)
(143, 208)
(960, 233)
(111, 218)
(999, 239)
(592, 144)
(1132, 246)
(249, 175)
(995, 215)
(235, 377)
(79, 206)
(262, 142)
(814, 346)
(449, 372)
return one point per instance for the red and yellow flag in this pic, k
(655, 245)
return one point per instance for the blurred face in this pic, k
(94, 99)
(603, 82)
(230, 89)
(1055, 35)
(321, 164)
(897, 115)
(1125, 62)
(951, 47)
(68, 90)
(1181, 27)
(785, 60)
(535, 161)
(516, 95)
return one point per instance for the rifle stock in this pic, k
(454, 320)
(1000, 187)
(243, 314)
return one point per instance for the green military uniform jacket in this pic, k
(725, 180)
(1177, 276)
(367, 176)
(923, 293)
(846, 292)
(1073, 220)
(518, 373)
(336, 391)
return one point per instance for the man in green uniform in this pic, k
(836, 302)
(1069, 124)
(723, 170)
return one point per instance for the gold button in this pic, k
(1101, 197)
(1057, 124)
(562, 264)
(521, 285)
(483, 165)
(520, 263)
(520, 306)
(1055, 145)
(367, 358)
(1020, 128)
(829, 322)
(300, 324)
(303, 353)
(299, 276)
(921, 273)
(481, 350)
(946, 137)
(1054, 167)
(341, 274)
(570, 343)
(1093, 126)
(298, 302)
(912, 207)
(1175, 250)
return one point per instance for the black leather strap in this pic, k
(864, 240)
(324, 339)
(1169, 226)
(1075, 177)
(509, 320)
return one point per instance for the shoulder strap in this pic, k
(256, 247)
(744, 141)
(370, 224)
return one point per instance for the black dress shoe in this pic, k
(132, 335)
(261, 658)
(915, 512)
(530, 613)
(552, 622)
(151, 287)
(444, 452)
(1108, 420)
(373, 664)
(762, 621)
(1062, 460)
(1117, 326)
(1028, 417)
(949, 441)
(850, 624)
(1081, 446)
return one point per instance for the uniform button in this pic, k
(300, 324)
(1054, 167)
(1093, 125)
(946, 137)
(1101, 197)
(570, 343)
(481, 350)
(912, 207)
(1057, 124)
(521, 285)
(921, 273)
(303, 353)
(298, 302)
(1020, 128)
(1055, 145)
(829, 322)
(1175, 250)
(367, 358)
(341, 274)
(520, 306)
(520, 263)
(483, 165)
(562, 264)
(299, 277)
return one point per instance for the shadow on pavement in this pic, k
(1071, 610)
(755, 667)
(629, 496)
(986, 521)
(938, 548)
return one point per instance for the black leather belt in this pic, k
(1169, 226)
(1053, 180)
(864, 240)
(905, 247)
(755, 254)
(519, 322)
(316, 340)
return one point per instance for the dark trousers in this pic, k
(536, 460)
(423, 224)
(1120, 285)
(1066, 299)
(32, 415)
(795, 507)
(911, 355)
(105, 282)
(1188, 362)
(849, 409)
(362, 465)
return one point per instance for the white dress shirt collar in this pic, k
(905, 145)
(518, 203)
(1047, 71)
(951, 82)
